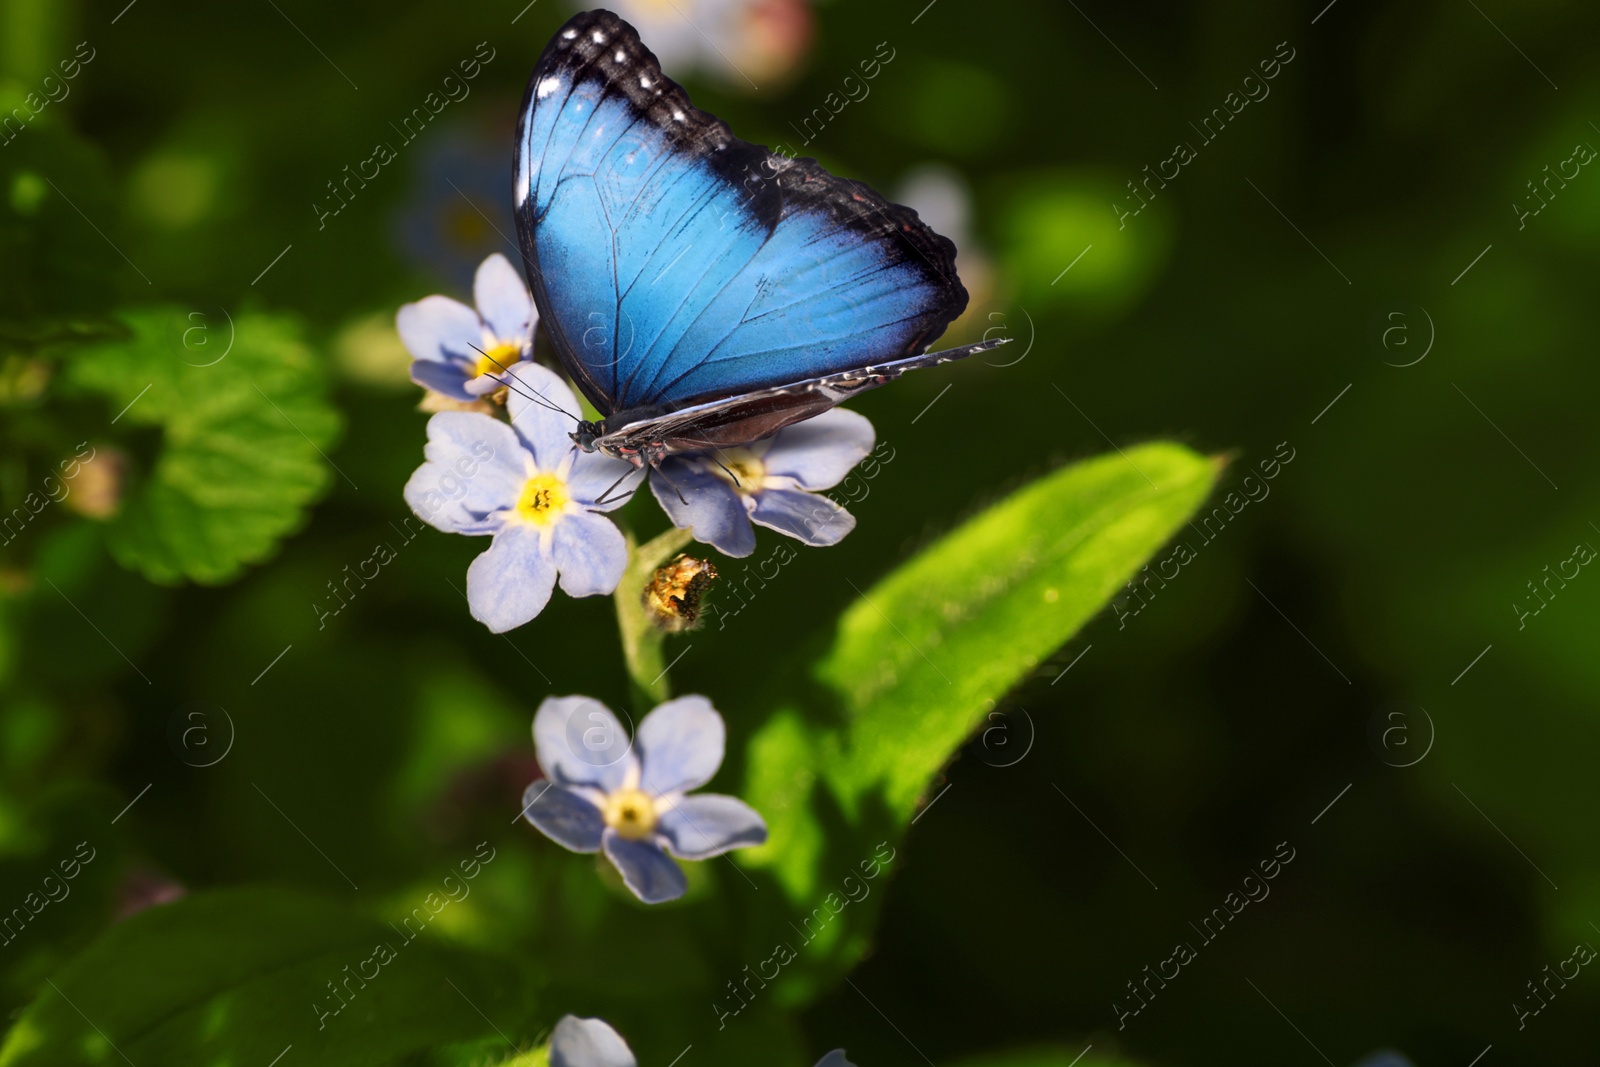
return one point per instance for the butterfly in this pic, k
(704, 292)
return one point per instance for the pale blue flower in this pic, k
(530, 488)
(593, 1043)
(773, 483)
(588, 1043)
(464, 353)
(630, 798)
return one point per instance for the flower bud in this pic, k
(672, 599)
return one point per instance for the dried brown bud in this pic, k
(672, 599)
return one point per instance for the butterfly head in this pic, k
(586, 434)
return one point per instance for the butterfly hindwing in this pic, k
(734, 420)
(674, 263)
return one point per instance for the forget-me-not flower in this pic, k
(771, 483)
(630, 798)
(593, 1043)
(463, 353)
(530, 488)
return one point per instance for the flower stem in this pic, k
(642, 641)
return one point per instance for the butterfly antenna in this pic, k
(725, 470)
(507, 379)
(536, 397)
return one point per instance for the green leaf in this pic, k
(237, 976)
(244, 421)
(917, 663)
(539, 1057)
(925, 653)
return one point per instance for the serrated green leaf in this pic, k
(243, 437)
(235, 977)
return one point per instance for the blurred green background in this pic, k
(1319, 250)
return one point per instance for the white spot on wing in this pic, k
(621, 55)
(678, 115)
(569, 34)
(598, 37)
(547, 86)
(645, 81)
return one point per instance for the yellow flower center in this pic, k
(631, 813)
(544, 497)
(740, 468)
(498, 359)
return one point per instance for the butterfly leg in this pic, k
(655, 453)
(606, 497)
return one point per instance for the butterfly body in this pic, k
(702, 291)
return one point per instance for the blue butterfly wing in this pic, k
(674, 263)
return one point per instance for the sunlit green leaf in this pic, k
(919, 660)
(922, 656)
